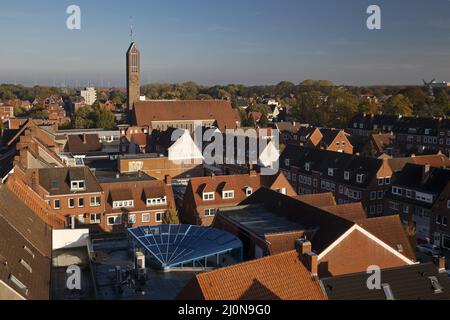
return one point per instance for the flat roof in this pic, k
(172, 245)
(106, 176)
(260, 221)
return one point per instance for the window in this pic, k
(146, 217)
(71, 203)
(248, 191)
(373, 195)
(210, 212)
(381, 182)
(307, 166)
(95, 218)
(448, 204)
(228, 195)
(359, 178)
(397, 191)
(157, 201)
(408, 193)
(380, 195)
(438, 219)
(158, 217)
(347, 175)
(132, 219)
(114, 220)
(208, 196)
(287, 162)
(123, 204)
(26, 265)
(57, 204)
(387, 181)
(77, 185)
(23, 288)
(444, 221)
(406, 209)
(95, 201)
(330, 172)
(54, 184)
(380, 209)
(81, 218)
(80, 202)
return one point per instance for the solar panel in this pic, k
(182, 244)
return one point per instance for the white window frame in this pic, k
(117, 220)
(95, 220)
(95, 203)
(151, 202)
(132, 219)
(210, 212)
(123, 204)
(208, 196)
(229, 194)
(68, 203)
(161, 217)
(145, 218)
(248, 191)
(359, 178)
(75, 185)
(54, 204)
(347, 175)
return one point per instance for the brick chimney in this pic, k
(307, 256)
(441, 264)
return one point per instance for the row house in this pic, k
(324, 138)
(440, 218)
(73, 193)
(6, 112)
(414, 193)
(135, 202)
(206, 195)
(349, 178)
(411, 133)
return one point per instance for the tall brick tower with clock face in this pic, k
(133, 75)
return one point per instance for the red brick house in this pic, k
(205, 195)
(324, 138)
(135, 202)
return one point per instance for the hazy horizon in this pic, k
(250, 42)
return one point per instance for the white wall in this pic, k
(65, 239)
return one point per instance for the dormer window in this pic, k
(248, 191)
(228, 195)
(208, 196)
(347, 175)
(123, 204)
(77, 185)
(157, 201)
(359, 178)
(330, 172)
(54, 184)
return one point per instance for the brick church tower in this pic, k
(133, 75)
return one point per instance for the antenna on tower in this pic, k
(131, 29)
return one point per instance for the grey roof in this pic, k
(406, 283)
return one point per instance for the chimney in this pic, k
(168, 180)
(84, 138)
(426, 172)
(441, 264)
(312, 263)
(252, 173)
(303, 247)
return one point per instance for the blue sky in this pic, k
(220, 42)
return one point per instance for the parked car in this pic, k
(429, 249)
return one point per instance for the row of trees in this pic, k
(90, 117)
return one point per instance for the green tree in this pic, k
(104, 119)
(369, 106)
(398, 105)
(84, 118)
(171, 216)
(263, 121)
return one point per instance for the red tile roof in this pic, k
(281, 276)
(147, 112)
(318, 200)
(352, 211)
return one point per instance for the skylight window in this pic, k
(388, 292)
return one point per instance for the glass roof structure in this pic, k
(174, 246)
